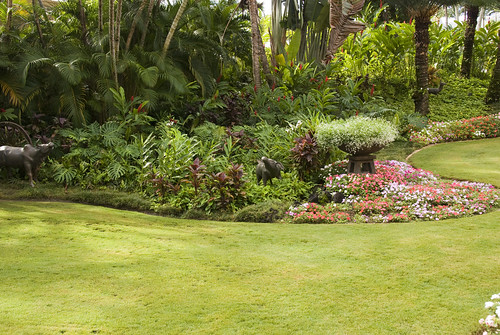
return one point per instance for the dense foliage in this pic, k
(185, 126)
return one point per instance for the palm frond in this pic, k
(70, 72)
(30, 62)
(72, 101)
(203, 75)
(12, 90)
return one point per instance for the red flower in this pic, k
(132, 98)
(373, 89)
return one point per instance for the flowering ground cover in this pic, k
(458, 130)
(397, 192)
(491, 324)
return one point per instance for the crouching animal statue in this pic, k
(267, 169)
(28, 157)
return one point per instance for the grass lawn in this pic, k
(70, 268)
(477, 160)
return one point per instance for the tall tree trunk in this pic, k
(175, 23)
(118, 21)
(37, 23)
(252, 6)
(421, 96)
(148, 18)
(99, 18)
(470, 32)
(480, 23)
(493, 94)
(83, 23)
(134, 24)
(8, 22)
(112, 50)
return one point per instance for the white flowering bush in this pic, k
(491, 324)
(356, 133)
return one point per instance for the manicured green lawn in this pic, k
(69, 268)
(477, 160)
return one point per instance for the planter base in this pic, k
(361, 164)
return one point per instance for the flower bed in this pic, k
(466, 129)
(397, 192)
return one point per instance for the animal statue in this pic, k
(436, 90)
(28, 157)
(267, 169)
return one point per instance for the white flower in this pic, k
(489, 304)
(495, 296)
(490, 321)
(498, 311)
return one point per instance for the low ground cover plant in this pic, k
(491, 323)
(458, 130)
(397, 192)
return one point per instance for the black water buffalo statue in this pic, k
(267, 169)
(27, 157)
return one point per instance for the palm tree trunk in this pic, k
(37, 22)
(252, 5)
(148, 18)
(480, 24)
(493, 94)
(83, 23)
(470, 32)
(421, 96)
(8, 22)
(175, 23)
(99, 18)
(134, 24)
(118, 21)
(112, 50)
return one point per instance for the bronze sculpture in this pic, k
(267, 169)
(28, 157)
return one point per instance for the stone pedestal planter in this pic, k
(361, 161)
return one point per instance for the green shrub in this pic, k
(115, 199)
(288, 189)
(195, 214)
(268, 211)
(167, 210)
(356, 133)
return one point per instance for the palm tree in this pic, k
(472, 12)
(421, 11)
(259, 57)
(173, 27)
(134, 24)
